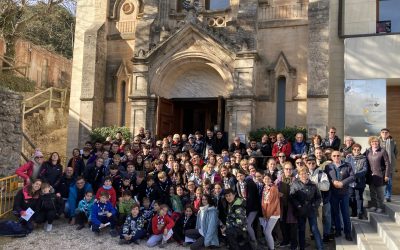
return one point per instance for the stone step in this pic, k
(387, 229)
(393, 210)
(366, 236)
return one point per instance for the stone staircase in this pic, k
(379, 232)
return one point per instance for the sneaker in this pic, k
(360, 216)
(379, 210)
(113, 233)
(162, 245)
(80, 227)
(388, 200)
(45, 226)
(325, 239)
(372, 209)
(49, 227)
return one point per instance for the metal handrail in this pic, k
(9, 186)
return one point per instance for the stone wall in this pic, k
(10, 131)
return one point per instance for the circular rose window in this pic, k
(128, 8)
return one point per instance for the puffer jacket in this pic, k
(236, 215)
(344, 173)
(360, 167)
(320, 178)
(305, 198)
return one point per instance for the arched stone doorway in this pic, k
(191, 98)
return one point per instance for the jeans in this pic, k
(157, 238)
(356, 200)
(326, 218)
(104, 220)
(340, 205)
(250, 219)
(268, 225)
(236, 238)
(388, 189)
(139, 235)
(377, 195)
(312, 220)
(289, 234)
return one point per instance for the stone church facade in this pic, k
(179, 66)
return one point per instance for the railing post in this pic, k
(51, 96)
(23, 116)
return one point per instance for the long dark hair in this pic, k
(51, 155)
(210, 200)
(29, 188)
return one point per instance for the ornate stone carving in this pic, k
(128, 8)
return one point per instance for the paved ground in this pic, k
(64, 236)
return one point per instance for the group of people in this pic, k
(200, 191)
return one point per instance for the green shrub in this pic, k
(288, 132)
(16, 83)
(100, 134)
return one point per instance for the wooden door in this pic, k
(393, 122)
(165, 117)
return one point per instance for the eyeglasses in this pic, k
(332, 132)
(335, 155)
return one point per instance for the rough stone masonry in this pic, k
(10, 131)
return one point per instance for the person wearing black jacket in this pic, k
(51, 171)
(50, 207)
(184, 223)
(340, 175)
(148, 189)
(94, 174)
(62, 189)
(27, 197)
(306, 198)
(248, 191)
(76, 162)
(220, 142)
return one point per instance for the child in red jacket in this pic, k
(107, 187)
(162, 226)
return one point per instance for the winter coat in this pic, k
(50, 202)
(73, 198)
(287, 211)
(64, 185)
(183, 224)
(320, 178)
(251, 196)
(360, 167)
(176, 203)
(344, 173)
(241, 148)
(125, 207)
(207, 224)
(94, 175)
(229, 183)
(23, 201)
(236, 215)
(133, 225)
(283, 147)
(391, 147)
(86, 207)
(305, 198)
(25, 171)
(100, 210)
(270, 202)
(266, 149)
(51, 173)
(335, 145)
(165, 221)
(299, 149)
(110, 191)
(379, 166)
(220, 144)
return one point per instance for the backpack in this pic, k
(12, 229)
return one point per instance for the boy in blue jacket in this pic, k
(84, 210)
(103, 215)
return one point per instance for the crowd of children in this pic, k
(198, 191)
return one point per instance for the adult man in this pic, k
(65, 183)
(319, 177)
(340, 175)
(333, 141)
(387, 142)
(76, 194)
(237, 145)
(253, 149)
(236, 224)
(94, 174)
(299, 147)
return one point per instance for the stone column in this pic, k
(240, 116)
(318, 67)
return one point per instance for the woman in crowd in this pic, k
(378, 173)
(25, 199)
(52, 170)
(30, 170)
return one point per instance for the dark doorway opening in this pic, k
(189, 115)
